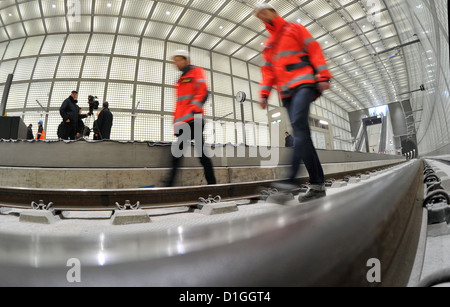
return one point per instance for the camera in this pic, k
(93, 104)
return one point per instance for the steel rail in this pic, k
(327, 242)
(105, 200)
(445, 161)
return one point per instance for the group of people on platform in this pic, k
(294, 64)
(40, 136)
(72, 127)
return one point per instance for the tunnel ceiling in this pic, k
(352, 33)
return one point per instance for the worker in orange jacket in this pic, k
(40, 136)
(296, 66)
(191, 90)
(191, 95)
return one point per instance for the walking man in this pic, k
(191, 93)
(296, 66)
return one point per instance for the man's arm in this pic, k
(268, 80)
(317, 59)
(201, 91)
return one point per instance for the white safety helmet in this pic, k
(263, 6)
(182, 53)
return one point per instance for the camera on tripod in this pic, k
(93, 104)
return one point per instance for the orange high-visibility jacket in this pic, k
(40, 136)
(191, 94)
(292, 58)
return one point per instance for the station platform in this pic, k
(131, 165)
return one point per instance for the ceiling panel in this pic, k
(206, 40)
(183, 35)
(30, 10)
(229, 27)
(194, 19)
(167, 13)
(108, 7)
(137, 9)
(53, 8)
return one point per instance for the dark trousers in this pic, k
(70, 130)
(298, 108)
(179, 144)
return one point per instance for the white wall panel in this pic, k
(123, 69)
(69, 67)
(45, 67)
(32, 46)
(149, 97)
(120, 96)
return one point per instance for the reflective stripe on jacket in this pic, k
(292, 58)
(191, 94)
(40, 135)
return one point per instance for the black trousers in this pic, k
(186, 131)
(70, 130)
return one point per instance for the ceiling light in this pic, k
(108, 4)
(53, 5)
(167, 13)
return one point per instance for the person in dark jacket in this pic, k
(30, 135)
(105, 122)
(289, 140)
(69, 114)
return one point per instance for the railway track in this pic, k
(107, 200)
(445, 161)
(325, 243)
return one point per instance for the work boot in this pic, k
(285, 187)
(311, 195)
(285, 193)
